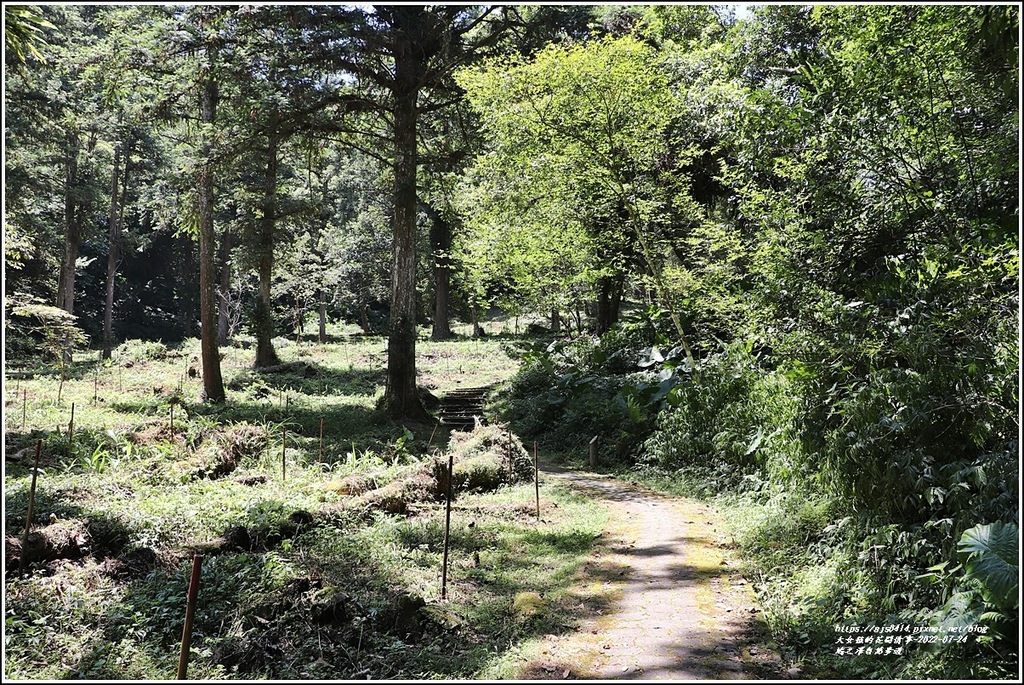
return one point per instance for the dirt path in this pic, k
(678, 610)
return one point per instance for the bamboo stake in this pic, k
(447, 525)
(95, 383)
(31, 505)
(172, 417)
(284, 438)
(190, 613)
(24, 405)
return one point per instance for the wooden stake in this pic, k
(431, 441)
(447, 526)
(24, 405)
(190, 613)
(593, 452)
(536, 478)
(60, 388)
(284, 438)
(172, 417)
(31, 504)
(95, 383)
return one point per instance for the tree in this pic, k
(24, 32)
(400, 53)
(587, 122)
(213, 385)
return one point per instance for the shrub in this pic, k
(136, 351)
(728, 426)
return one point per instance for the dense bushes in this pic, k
(863, 481)
(731, 427)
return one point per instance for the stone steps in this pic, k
(461, 409)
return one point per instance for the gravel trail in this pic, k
(677, 611)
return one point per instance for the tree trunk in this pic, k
(72, 227)
(113, 256)
(224, 294)
(556, 322)
(265, 354)
(478, 331)
(323, 318)
(441, 245)
(401, 399)
(608, 302)
(213, 384)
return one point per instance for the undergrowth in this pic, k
(298, 581)
(862, 498)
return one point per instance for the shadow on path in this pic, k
(681, 612)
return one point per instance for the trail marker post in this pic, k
(190, 613)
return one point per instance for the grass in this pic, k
(319, 590)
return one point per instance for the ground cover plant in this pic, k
(306, 574)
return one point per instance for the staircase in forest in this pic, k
(462, 408)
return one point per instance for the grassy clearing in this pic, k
(296, 582)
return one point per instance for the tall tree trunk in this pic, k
(556, 321)
(608, 300)
(265, 354)
(72, 227)
(224, 292)
(113, 256)
(441, 245)
(213, 384)
(323, 317)
(401, 398)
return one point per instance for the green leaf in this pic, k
(994, 560)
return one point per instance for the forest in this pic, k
(760, 256)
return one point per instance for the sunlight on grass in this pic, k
(150, 475)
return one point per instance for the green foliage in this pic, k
(993, 560)
(565, 394)
(24, 32)
(135, 351)
(32, 327)
(731, 426)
